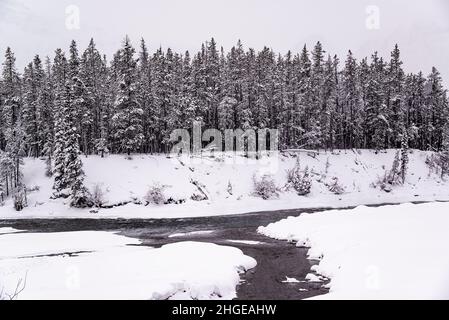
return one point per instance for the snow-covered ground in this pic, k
(390, 252)
(228, 183)
(103, 265)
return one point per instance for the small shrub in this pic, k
(32, 189)
(335, 187)
(101, 147)
(155, 194)
(328, 164)
(48, 167)
(174, 201)
(299, 180)
(391, 177)
(229, 189)
(265, 187)
(97, 196)
(198, 197)
(81, 198)
(202, 192)
(20, 200)
(439, 163)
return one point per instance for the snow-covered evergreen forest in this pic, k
(79, 102)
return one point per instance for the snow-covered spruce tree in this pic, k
(46, 115)
(80, 196)
(144, 95)
(330, 104)
(212, 71)
(127, 118)
(68, 173)
(351, 127)
(436, 101)
(33, 81)
(79, 100)
(263, 96)
(394, 98)
(187, 100)
(376, 123)
(305, 112)
(226, 113)
(92, 90)
(73, 171)
(15, 150)
(13, 131)
(59, 75)
(6, 173)
(315, 134)
(239, 87)
(169, 98)
(289, 100)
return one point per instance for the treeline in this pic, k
(134, 102)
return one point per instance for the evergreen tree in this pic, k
(436, 100)
(127, 118)
(33, 82)
(62, 93)
(12, 128)
(376, 120)
(394, 98)
(145, 97)
(352, 134)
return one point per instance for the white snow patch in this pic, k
(38, 244)
(290, 280)
(193, 233)
(313, 278)
(250, 242)
(7, 230)
(376, 253)
(115, 271)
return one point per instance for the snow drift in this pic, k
(390, 252)
(103, 265)
(223, 184)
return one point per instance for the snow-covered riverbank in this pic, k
(225, 184)
(103, 265)
(390, 252)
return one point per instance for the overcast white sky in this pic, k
(421, 27)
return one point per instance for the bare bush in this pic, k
(229, 188)
(265, 187)
(439, 163)
(202, 192)
(20, 286)
(335, 187)
(20, 199)
(155, 194)
(391, 177)
(97, 195)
